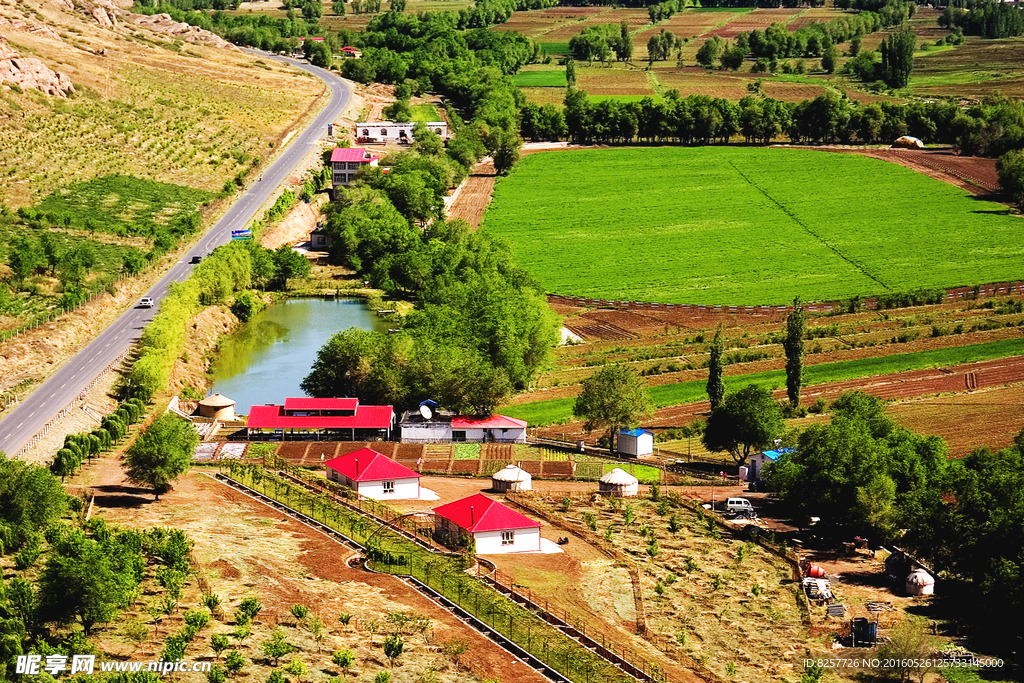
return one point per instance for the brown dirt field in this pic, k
(985, 418)
(614, 82)
(977, 175)
(759, 19)
(475, 194)
(249, 549)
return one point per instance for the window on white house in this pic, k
(508, 538)
(389, 487)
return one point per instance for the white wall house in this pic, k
(495, 528)
(635, 442)
(384, 131)
(374, 475)
(461, 429)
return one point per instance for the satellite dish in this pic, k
(426, 412)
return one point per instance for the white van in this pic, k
(738, 505)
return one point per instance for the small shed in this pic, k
(920, 582)
(217, 406)
(618, 483)
(636, 442)
(494, 528)
(511, 478)
(758, 460)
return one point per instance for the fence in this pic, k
(50, 315)
(560, 642)
(66, 410)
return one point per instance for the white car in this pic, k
(145, 302)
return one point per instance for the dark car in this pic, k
(758, 486)
(196, 259)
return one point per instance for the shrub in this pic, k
(382, 677)
(234, 661)
(197, 619)
(300, 611)
(219, 642)
(393, 647)
(216, 675)
(344, 618)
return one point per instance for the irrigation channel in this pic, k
(551, 641)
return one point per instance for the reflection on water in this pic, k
(265, 360)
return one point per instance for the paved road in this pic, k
(43, 404)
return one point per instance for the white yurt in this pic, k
(920, 582)
(218, 407)
(619, 483)
(511, 478)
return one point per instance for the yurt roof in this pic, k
(619, 476)
(920, 577)
(217, 401)
(511, 473)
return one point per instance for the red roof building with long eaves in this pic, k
(346, 162)
(374, 475)
(342, 418)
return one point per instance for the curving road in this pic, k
(44, 404)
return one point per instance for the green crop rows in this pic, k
(745, 226)
(558, 410)
(540, 79)
(123, 205)
(427, 113)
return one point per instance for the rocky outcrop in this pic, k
(162, 23)
(28, 72)
(36, 29)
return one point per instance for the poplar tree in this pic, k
(794, 347)
(716, 387)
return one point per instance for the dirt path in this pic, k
(475, 194)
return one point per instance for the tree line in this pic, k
(985, 18)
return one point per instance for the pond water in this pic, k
(266, 359)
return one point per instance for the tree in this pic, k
(794, 348)
(288, 264)
(504, 147)
(344, 659)
(78, 581)
(234, 661)
(710, 51)
(278, 646)
(1010, 168)
(393, 647)
(909, 648)
(219, 642)
(746, 421)
(396, 6)
(732, 57)
(614, 397)
(570, 72)
(315, 626)
(161, 453)
(715, 386)
(26, 255)
(898, 58)
(829, 58)
(338, 7)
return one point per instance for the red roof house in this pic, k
(374, 475)
(494, 527)
(346, 162)
(340, 417)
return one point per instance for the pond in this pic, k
(266, 359)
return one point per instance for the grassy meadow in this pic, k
(744, 226)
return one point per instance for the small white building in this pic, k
(440, 428)
(374, 475)
(635, 442)
(618, 483)
(494, 528)
(511, 478)
(758, 460)
(385, 131)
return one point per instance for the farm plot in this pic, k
(975, 69)
(708, 597)
(604, 82)
(123, 205)
(740, 226)
(758, 20)
(697, 81)
(537, 78)
(633, 17)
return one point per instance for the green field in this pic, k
(735, 226)
(540, 79)
(122, 205)
(558, 410)
(554, 48)
(427, 113)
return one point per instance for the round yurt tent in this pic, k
(618, 483)
(218, 407)
(920, 582)
(511, 478)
